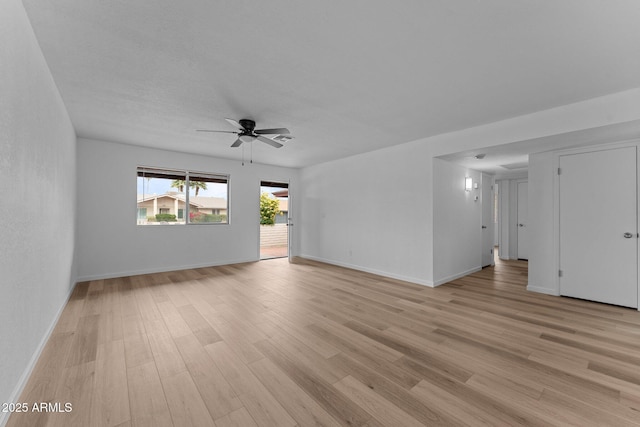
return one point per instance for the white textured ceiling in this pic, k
(344, 76)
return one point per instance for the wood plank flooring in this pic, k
(279, 344)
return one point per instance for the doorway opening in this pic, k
(487, 200)
(274, 220)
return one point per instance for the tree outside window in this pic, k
(269, 208)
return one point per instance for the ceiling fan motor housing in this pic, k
(248, 125)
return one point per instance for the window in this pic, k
(175, 197)
(142, 215)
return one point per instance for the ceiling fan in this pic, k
(247, 133)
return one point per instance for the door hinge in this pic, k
(559, 171)
(559, 273)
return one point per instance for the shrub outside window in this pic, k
(176, 197)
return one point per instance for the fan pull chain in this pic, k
(242, 154)
(251, 152)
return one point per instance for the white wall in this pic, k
(371, 212)
(401, 177)
(37, 184)
(457, 222)
(110, 244)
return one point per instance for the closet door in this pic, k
(598, 226)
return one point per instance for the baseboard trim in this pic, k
(162, 269)
(370, 270)
(542, 290)
(456, 276)
(26, 374)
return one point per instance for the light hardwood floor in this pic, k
(279, 344)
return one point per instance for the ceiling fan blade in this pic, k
(216, 131)
(276, 131)
(235, 124)
(237, 143)
(269, 141)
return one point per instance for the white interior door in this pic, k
(487, 220)
(598, 226)
(523, 219)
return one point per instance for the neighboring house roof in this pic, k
(199, 201)
(147, 197)
(206, 202)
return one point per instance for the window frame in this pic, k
(170, 173)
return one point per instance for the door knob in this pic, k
(628, 235)
(484, 226)
(520, 225)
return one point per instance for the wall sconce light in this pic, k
(468, 184)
